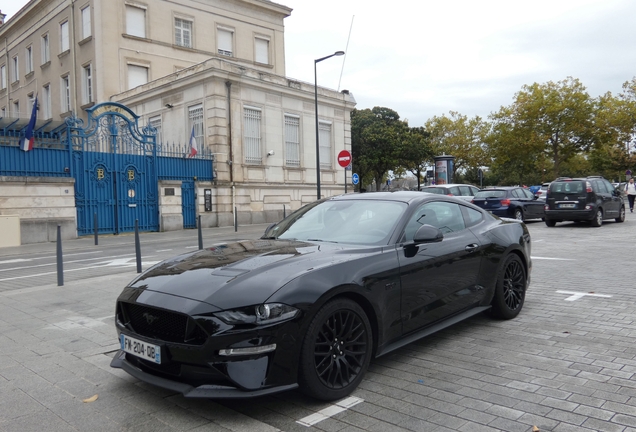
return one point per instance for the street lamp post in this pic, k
(337, 53)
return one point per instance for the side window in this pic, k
(599, 186)
(465, 191)
(608, 186)
(455, 191)
(474, 191)
(471, 216)
(517, 193)
(528, 194)
(443, 215)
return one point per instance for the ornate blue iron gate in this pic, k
(115, 167)
(188, 204)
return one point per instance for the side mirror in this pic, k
(427, 234)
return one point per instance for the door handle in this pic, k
(471, 247)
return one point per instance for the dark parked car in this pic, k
(591, 199)
(308, 305)
(512, 202)
(462, 191)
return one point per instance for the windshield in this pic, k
(490, 194)
(366, 222)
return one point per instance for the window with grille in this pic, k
(87, 85)
(324, 134)
(45, 104)
(65, 94)
(29, 59)
(135, 21)
(155, 122)
(46, 53)
(86, 22)
(195, 121)
(64, 37)
(16, 69)
(262, 50)
(292, 141)
(183, 32)
(137, 75)
(225, 37)
(252, 135)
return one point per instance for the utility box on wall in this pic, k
(207, 194)
(10, 229)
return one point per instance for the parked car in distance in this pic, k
(542, 193)
(510, 201)
(592, 199)
(462, 191)
(335, 283)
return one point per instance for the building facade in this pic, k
(214, 69)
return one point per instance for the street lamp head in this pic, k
(339, 53)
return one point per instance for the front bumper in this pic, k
(201, 391)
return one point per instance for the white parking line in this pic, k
(577, 295)
(330, 411)
(164, 250)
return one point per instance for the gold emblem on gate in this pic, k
(100, 173)
(131, 175)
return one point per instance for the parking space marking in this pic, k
(330, 411)
(577, 295)
(164, 250)
(553, 259)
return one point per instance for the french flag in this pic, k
(27, 143)
(193, 144)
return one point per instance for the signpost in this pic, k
(344, 160)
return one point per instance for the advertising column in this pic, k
(444, 169)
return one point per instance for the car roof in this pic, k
(501, 188)
(400, 196)
(448, 185)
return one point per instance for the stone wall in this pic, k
(41, 203)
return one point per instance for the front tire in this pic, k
(621, 215)
(336, 350)
(598, 218)
(510, 291)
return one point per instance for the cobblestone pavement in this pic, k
(567, 363)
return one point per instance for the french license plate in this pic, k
(567, 205)
(140, 349)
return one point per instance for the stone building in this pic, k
(215, 68)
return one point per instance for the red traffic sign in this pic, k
(344, 158)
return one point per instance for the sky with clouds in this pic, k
(426, 58)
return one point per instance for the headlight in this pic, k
(263, 314)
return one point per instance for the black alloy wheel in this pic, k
(598, 218)
(510, 291)
(336, 351)
(621, 215)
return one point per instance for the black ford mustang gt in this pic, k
(309, 304)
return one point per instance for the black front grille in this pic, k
(155, 323)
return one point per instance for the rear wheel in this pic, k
(510, 291)
(621, 215)
(598, 218)
(519, 215)
(336, 351)
(550, 223)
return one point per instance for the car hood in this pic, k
(241, 273)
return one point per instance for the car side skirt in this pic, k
(430, 330)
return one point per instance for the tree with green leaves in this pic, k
(416, 152)
(376, 141)
(552, 121)
(458, 136)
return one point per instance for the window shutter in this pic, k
(137, 75)
(225, 42)
(262, 51)
(135, 21)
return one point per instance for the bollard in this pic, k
(235, 220)
(96, 227)
(60, 266)
(284, 213)
(137, 246)
(200, 235)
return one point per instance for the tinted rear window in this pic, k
(490, 194)
(567, 187)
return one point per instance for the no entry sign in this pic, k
(344, 158)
